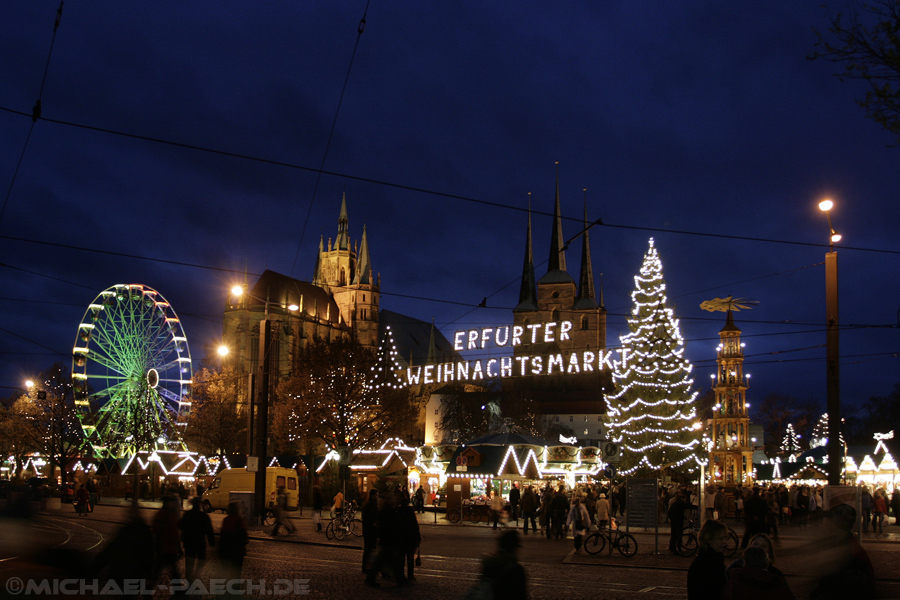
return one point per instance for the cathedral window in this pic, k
(554, 315)
(584, 322)
(343, 277)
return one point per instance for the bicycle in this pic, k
(469, 511)
(344, 524)
(690, 543)
(625, 543)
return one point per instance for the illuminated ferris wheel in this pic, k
(131, 369)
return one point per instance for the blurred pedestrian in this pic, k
(233, 539)
(166, 539)
(388, 556)
(579, 521)
(754, 580)
(503, 571)
(129, 555)
(844, 568)
(409, 536)
(529, 504)
(281, 516)
(196, 530)
(369, 529)
(318, 505)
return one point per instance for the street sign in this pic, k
(253, 464)
(345, 454)
(611, 452)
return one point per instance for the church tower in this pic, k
(557, 297)
(345, 271)
(731, 457)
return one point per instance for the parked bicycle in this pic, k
(468, 511)
(690, 543)
(344, 524)
(625, 543)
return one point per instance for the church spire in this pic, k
(342, 242)
(586, 298)
(557, 254)
(556, 268)
(363, 273)
(317, 275)
(528, 291)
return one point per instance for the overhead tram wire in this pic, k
(35, 113)
(430, 192)
(359, 32)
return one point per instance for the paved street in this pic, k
(450, 555)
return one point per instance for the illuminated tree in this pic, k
(217, 424)
(47, 421)
(791, 441)
(331, 397)
(653, 409)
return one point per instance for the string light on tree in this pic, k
(791, 441)
(653, 411)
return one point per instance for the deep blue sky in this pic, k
(699, 117)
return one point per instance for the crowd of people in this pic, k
(154, 551)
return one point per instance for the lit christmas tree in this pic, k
(653, 410)
(791, 442)
(819, 436)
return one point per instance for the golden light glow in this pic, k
(826, 205)
(237, 290)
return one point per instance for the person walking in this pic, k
(369, 529)
(496, 507)
(388, 544)
(579, 521)
(719, 504)
(706, 575)
(409, 537)
(895, 505)
(755, 510)
(879, 511)
(281, 517)
(502, 572)
(166, 539)
(515, 495)
(82, 501)
(196, 529)
(602, 510)
(318, 504)
(544, 512)
(420, 499)
(676, 522)
(233, 539)
(529, 505)
(559, 508)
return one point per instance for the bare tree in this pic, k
(217, 423)
(865, 40)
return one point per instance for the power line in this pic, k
(35, 113)
(431, 192)
(359, 32)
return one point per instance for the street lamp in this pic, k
(832, 346)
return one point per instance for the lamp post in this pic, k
(258, 413)
(832, 345)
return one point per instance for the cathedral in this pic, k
(342, 299)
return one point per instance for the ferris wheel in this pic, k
(131, 370)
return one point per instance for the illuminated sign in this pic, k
(576, 362)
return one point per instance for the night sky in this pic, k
(180, 144)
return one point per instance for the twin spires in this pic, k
(556, 269)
